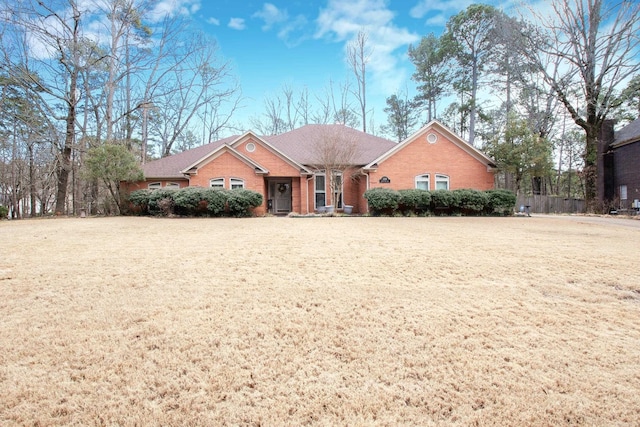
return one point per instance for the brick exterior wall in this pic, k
(420, 157)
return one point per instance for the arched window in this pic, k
(154, 185)
(216, 183)
(422, 182)
(172, 185)
(236, 183)
(442, 182)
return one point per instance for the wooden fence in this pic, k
(550, 204)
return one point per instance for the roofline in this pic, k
(461, 143)
(625, 142)
(212, 155)
(300, 167)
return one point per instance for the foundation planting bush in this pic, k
(155, 206)
(382, 200)
(471, 202)
(444, 202)
(4, 211)
(139, 202)
(414, 201)
(240, 201)
(216, 201)
(500, 202)
(188, 201)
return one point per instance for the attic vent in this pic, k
(432, 138)
(250, 147)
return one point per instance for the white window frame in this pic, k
(317, 192)
(440, 178)
(623, 192)
(236, 183)
(425, 177)
(172, 185)
(213, 183)
(154, 185)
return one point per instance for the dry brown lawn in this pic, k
(323, 321)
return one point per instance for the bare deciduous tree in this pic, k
(335, 153)
(595, 45)
(358, 56)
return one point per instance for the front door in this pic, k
(280, 195)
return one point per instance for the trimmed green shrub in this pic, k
(501, 202)
(382, 200)
(158, 203)
(4, 211)
(187, 201)
(139, 202)
(415, 201)
(444, 202)
(471, 202)
(240, 201)
(216, 201)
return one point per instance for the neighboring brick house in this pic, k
(287, 168)
(619, 166)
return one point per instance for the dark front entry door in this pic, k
(280, 195)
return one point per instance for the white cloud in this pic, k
(213, 21)
(174, 7)
(237, 24)
(280, 20)
(271, 15)
(342, 21)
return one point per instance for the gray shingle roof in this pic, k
(629, 133)
(298, 144)
(171, 166)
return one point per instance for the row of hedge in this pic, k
(194, 201)
(384, 201)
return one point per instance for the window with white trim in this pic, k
(172, 185)
(442, 182)
(623, 192)
(320, 191)
(216, 183)
(422, 182)
(154, 185)
(236, 183)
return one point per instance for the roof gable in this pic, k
(271, 148)
(217, 153)
(442, 129)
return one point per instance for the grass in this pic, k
(329, 321)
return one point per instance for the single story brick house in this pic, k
(619, 165)
(288, 169)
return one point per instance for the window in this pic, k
(236, 183)
(422, 182)
(217, 183)
(320, 191)
(172, 185)
(250, 147)
(623, 192)
(154, 185)
(442, 182)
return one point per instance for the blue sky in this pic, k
(302, 43)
